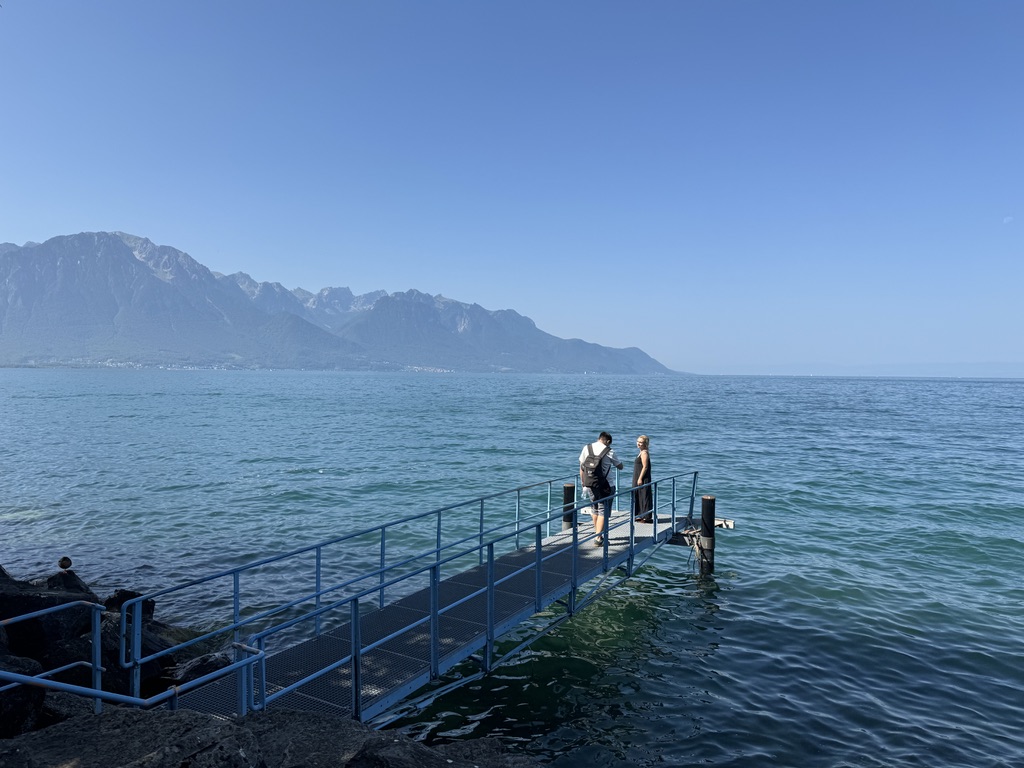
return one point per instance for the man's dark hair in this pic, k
(604, 435)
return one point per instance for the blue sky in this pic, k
(746, 186)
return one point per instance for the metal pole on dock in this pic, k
(706, 547)
(568, 504)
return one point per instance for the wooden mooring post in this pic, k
(706, 544)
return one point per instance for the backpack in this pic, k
(591, 466)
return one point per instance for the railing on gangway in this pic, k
(536, 509)
(537, 529)
(95, 666)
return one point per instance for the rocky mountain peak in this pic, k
(111, 298)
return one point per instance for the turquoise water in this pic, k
(868, 609)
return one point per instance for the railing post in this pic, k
(539, 566)
(136, 649)
(706, 549)
(240, 676)
(489, 653)
(357, 660)
(574, 573)
(693, 497)
(568, 506)
(654, 508)
(632, 533)
(518, 512)
(383, 562)
(97, 658)
(318, 580)
(260, 693)
(435, 620)
(606, 528)
(674, 500)
(480, 535)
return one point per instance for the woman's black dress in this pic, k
(641, 496)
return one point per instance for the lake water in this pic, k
(868, 609)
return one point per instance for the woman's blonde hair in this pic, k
(644, 441)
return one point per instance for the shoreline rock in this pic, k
(51, 729)
(59, 639)
(131, 738)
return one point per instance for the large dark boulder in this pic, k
(116, 678)
(276, 739)
(19, 706)
(59, 706)
(122, 596)
(5, 576)
(33, 638)
(68, 581)
(123, 737)
(198, 667)
(64, 638)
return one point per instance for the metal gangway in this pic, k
(376, 617)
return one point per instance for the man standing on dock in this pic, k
(597, 480)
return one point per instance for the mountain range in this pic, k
(113, 299)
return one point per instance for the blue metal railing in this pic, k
(472, 538)
(94, 664)
(131, 611)
(96, 692)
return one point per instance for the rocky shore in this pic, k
(130, 738)
(48, 729)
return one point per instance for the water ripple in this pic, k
(867, 611)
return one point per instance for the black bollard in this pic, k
(568, 502)
(706, 546)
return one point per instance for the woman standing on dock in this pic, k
(641, 476)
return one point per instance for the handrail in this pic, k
(99, 695)
(96, 615)
(452, 538)
(397, 580)
(336, 540)
(133, 606)
(352, 602)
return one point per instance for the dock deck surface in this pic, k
(395, 654)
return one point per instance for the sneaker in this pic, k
(599, 541)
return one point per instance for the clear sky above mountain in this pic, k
(733, 186)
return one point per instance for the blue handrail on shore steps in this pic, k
(361, 644)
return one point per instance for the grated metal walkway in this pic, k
(397, 649)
